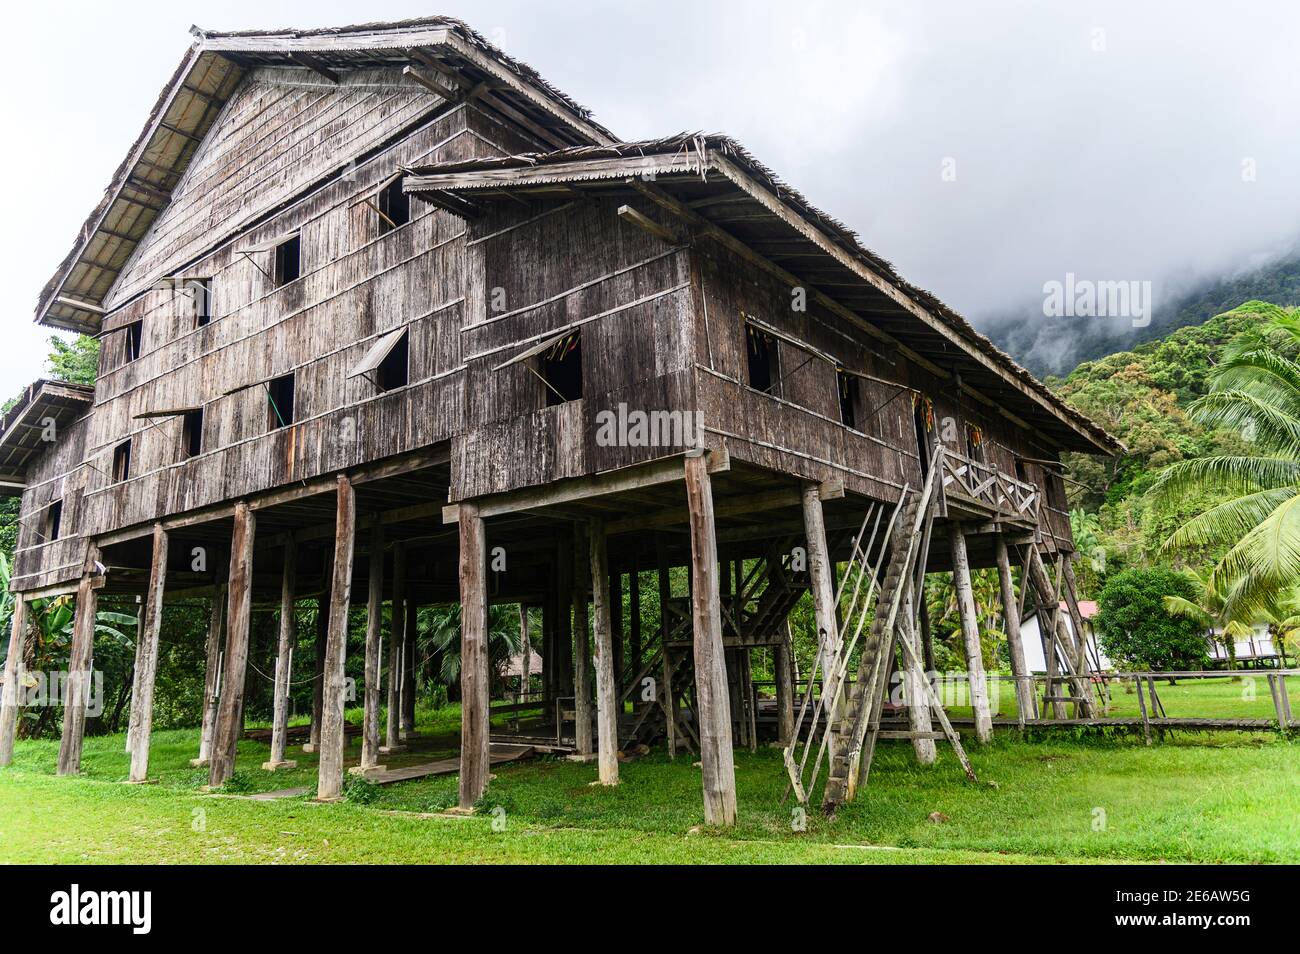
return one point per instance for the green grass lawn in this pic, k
(1197, 798)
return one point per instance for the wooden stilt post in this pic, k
(146, 668)
(78, 687)
(606, 685)
(333, 741)
(214, 649)
(616, 629)
(284, 659)
(396, 633)
(564, 616)
(713, 716)
(374, 648)
(970, 630)
(410, 660)
(669, 701)
(525, 653)
(822, 576)
(239, 609)
(474, 729)
(927, 638)
(322, 640)
(785, 689)
(1015, 645)
(11, 695)
(918, 695)
(133, 706)
(581, 645)
(634, 628)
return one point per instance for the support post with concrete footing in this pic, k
(396, 633)
(970, 631)
(374, 646)
(606, 687)
(1015, 645)
(329, 782)
(284, 659)
(146, 660)
(239, 609)
(79, 660)
(714, 716)
(11, 693)
(474, 728)
(214, 649)
(581, 645)
(665, 627)
(318, 656)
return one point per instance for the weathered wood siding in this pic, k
(355, 285)
(533, 272)
(56, 475)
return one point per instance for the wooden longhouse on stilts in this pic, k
(384, 313)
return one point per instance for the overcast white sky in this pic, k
(1104, 139)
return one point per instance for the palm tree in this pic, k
(1256, 389)
(1212, 608)
(443, 639)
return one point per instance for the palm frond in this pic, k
(1228, 522)
(1225, 474)
(1275, 428)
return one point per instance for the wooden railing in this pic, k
(985, 484)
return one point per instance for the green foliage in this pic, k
(1135, 626)
(76, 361)
(360, 790)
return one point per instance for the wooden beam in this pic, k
(11, 692)
(411, 620)
(329, 782)
(239, 608)
(320, 645)
(374, 645)
(822, 576)
(146, 666)
(607, 694)
(669, 701)
(714, 715)
(667, 470)
(80, 305)
(284, 659)
(977, 683)
(785, 689)
(78, 686)
(474, 725)
(315, 65)
(581, 641)
(630, 215)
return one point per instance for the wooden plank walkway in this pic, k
(499, 754)
(1240, 725)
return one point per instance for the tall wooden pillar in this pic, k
(333, 740)
(133, 706)
(214, 649)
(397, 632)
(564, 615)
(581, 646)
(284, 658)
(822, 576)
(525, 652)
(616, 628)
(11, 693)
(374, 647)
(607, 693)
(714, 716)
(239, 609)
(785, 689)
(410, 660)
(318, 655)
(669, 699)
(146, 667)
(634, 629)
(78, 687)
(1015, 645)
(970, 631)
(474, 728)
(918, 696)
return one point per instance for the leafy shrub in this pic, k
(1134, 626)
